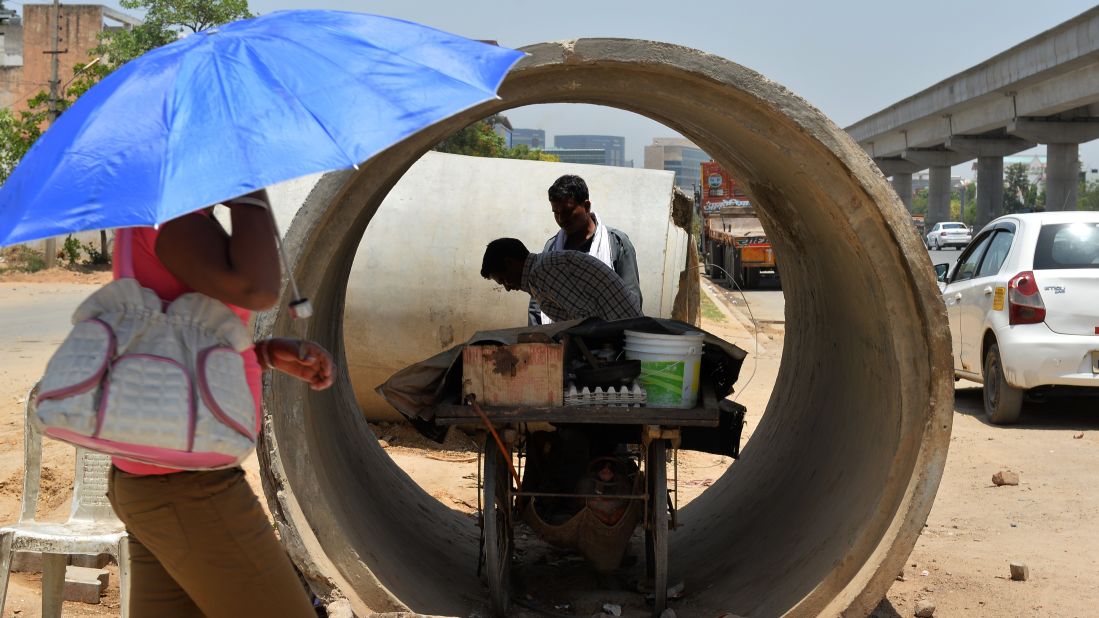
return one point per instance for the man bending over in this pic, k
(568, 285)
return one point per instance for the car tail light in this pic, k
(942, 233)
(1024, 302)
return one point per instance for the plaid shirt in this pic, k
(570, 285)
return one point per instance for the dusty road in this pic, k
(974, 531)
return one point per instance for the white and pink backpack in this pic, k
(157, 383)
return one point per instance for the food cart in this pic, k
(509, 384)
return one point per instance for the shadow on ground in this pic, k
(885, 609)
(1059, 413)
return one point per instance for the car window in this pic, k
(954, 226)
(996, 254)
(967, 264)
(1067, 245)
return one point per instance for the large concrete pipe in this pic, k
(825, 505)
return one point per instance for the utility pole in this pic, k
(55, 82)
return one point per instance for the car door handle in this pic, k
(988, 291)
(958, 296)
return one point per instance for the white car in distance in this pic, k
(948, 234)
(1023, 303)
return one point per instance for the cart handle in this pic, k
(472, 400)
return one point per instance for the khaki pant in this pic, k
(200, 545)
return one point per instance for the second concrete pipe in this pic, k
(828, 499)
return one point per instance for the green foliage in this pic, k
(195, 15)
(165, 21)
(70, 250)
(710, 311)
(19, 132)
(522, 151)
(969, 216)
(1017, 189)
(919, 202)
(21, 258)
(475, 140)
(1088, 197)
(480, 140)
(97, 256)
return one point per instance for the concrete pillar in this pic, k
(1062, 176)
(902, 184)
(990, 190)
(938, 162)
(990, 152)
(1062, 137)
(938, 196)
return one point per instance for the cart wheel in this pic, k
(498, 527)
(656, 537)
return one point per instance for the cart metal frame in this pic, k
(500, 467)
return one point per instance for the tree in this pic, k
(1016, 188)
(969, 216)
(1088, 198)
(165, 21)
(919, 202)
(194, 15)
(18, 132)
(480, 140)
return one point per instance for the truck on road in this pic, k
(734, 243)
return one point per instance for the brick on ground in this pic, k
(84, 584)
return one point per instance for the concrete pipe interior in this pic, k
(827, 501)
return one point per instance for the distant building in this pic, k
(678, 155)
(613, 146)
(587, 156)
(502, 127)
(24, 42)
(531, 138)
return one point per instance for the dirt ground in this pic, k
(960, 562)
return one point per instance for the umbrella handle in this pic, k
(300, 308)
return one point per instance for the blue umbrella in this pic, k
(232, 109)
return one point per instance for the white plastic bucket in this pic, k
(669, 367)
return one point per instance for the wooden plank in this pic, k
(607, 415)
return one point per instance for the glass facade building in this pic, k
(614, 146)
(678, 155)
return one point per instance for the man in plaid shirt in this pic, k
(568, 285)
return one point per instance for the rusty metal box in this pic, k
(529, 374)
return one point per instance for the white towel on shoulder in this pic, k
(600, 248)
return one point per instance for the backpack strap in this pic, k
(125, 239)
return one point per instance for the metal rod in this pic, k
(282, 256)
(500, 443)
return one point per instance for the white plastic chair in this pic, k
(92, 528)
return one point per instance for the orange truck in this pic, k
(734, 243)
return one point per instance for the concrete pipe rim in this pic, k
(838, 480)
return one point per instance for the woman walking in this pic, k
(200, 544)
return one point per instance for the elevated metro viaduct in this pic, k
(1044, 90)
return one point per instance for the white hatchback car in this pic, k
(1023, 302)
(948, 234)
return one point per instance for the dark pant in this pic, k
(200, 545)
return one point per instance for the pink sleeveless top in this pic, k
(152, 274)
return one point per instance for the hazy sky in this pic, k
(849, 58)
